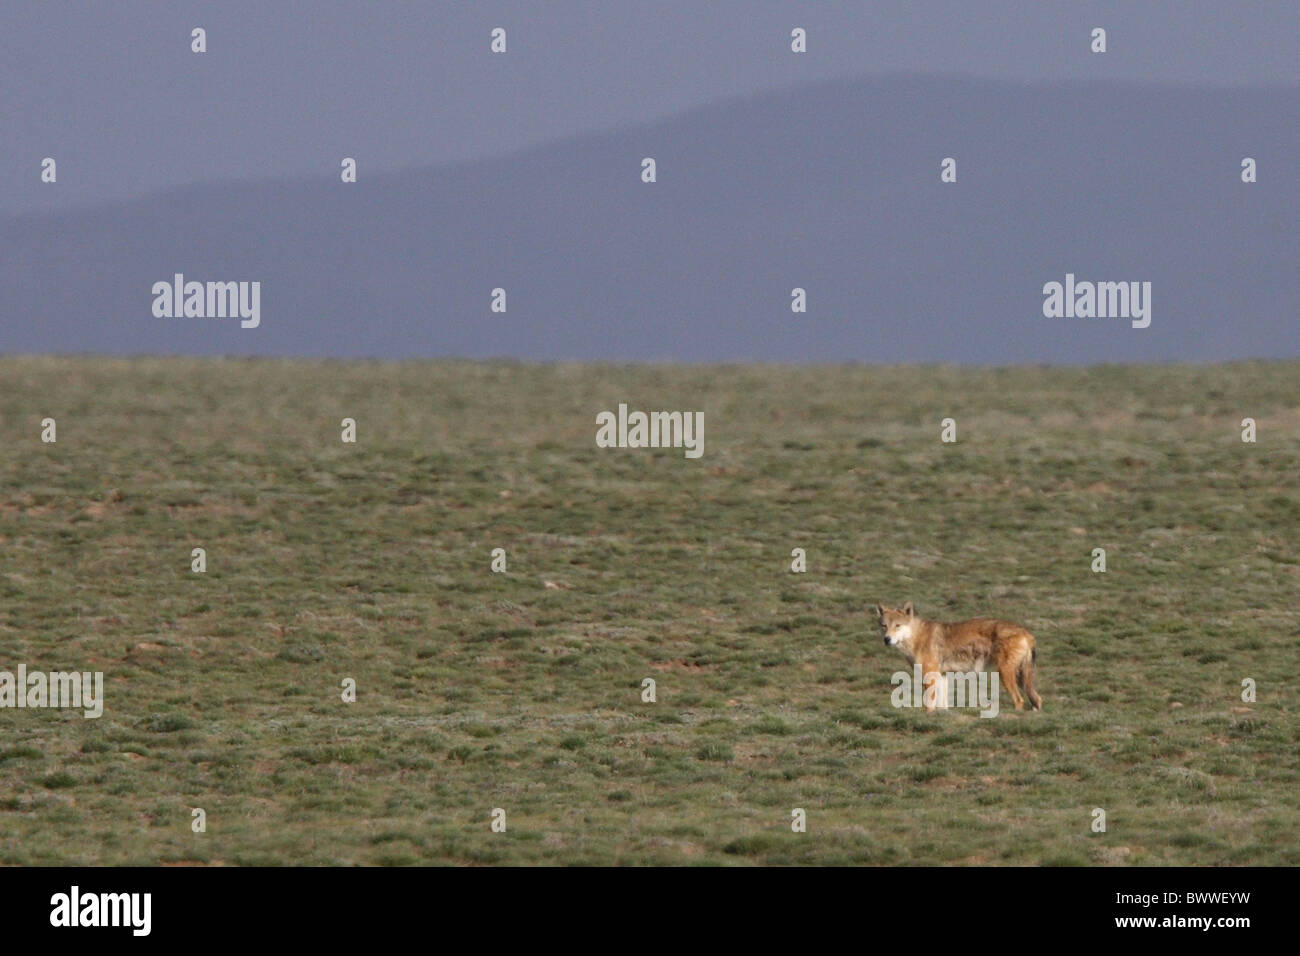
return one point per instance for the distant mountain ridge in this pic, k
(834, 188)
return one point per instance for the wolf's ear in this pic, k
(907, 609)
(879, 609)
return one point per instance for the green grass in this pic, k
(522, 690)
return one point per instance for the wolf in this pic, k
(974, 645)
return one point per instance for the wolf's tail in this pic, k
(1027, 669)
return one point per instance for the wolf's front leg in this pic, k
(936, 688)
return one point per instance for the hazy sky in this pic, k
(112, 91)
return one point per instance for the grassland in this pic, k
(522, 690)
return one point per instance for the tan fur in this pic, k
(978, 644)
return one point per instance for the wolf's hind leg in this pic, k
(1027, 668)
(1007, 674)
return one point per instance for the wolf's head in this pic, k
(896, 624)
